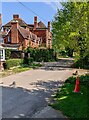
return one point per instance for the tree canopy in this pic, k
(70, 28)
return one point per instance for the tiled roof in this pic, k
(23, 24)
(31, 25)
(41, 25)
(20, 21)
(27, 34)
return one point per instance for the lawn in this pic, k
(73, 105)
(13, 71)
(19, 69)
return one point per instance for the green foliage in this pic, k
(73, 105)
(27, 61)
(11, 63)
(14, 71)
(20, 69)
(40, 55)
(84, 79)
(82, 62)
(7, 54)
(70, 29)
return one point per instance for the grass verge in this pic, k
(13, 71)
(73, 105)
(19, 69)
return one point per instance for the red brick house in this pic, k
(21, 35)
(42, 31)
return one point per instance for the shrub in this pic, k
(27, 61)
(11, 63)
(30, 60)
(40, 55)
(82, 62)
(84, 79)
(7, 54)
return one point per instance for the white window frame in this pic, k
(2, 54)
(9, 39)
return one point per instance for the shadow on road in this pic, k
(22, 103)
(61, 64)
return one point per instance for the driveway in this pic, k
(31, 92)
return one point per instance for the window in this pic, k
(49, 41)
(1, 40)
(35, 41)
(1, 54)
(9, 39)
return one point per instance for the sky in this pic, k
(27, 10)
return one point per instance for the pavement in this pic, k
(27, 94)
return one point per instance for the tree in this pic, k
(70, 28)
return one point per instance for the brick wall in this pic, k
(42, 34)
(33, 44)
(21, 42)
(26, 43)
(14, 32)
(46, 37)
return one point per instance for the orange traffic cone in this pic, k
(77, 86)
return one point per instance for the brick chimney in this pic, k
(15, 16)
(14, 31)
(49, 25)
(35, 22)
(0, 20)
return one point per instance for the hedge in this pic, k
(11, 63)
(40, 55)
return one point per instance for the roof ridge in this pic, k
(41, 25)
(20, 21)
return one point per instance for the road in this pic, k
(31, 92)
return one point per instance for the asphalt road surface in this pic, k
(29, 92)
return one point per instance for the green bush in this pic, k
(84, 79)
(7, 54)
(11, 63)
(83, 62)
(27, 59)
(30, 60)
(40, 55)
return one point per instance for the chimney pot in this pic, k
(49, 25)
(16, 16)
(35, 19)
(35, 22)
